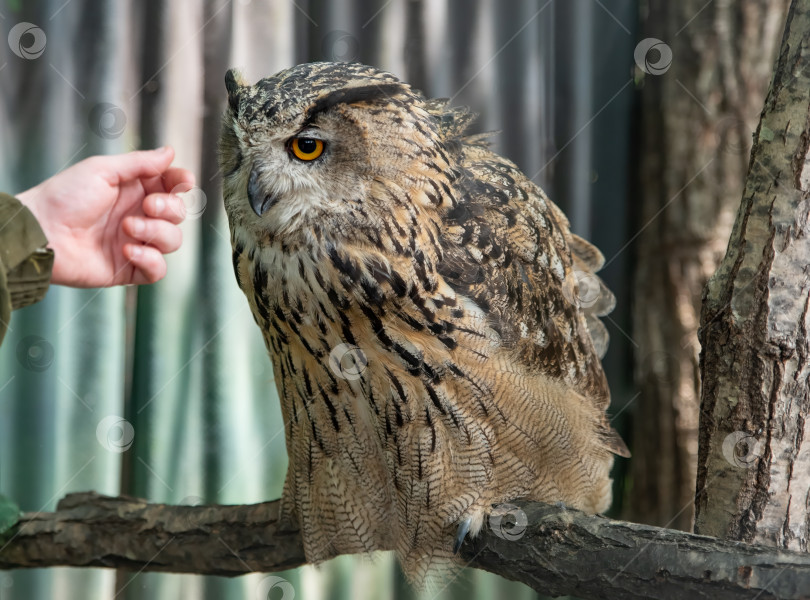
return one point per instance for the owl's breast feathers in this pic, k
(441, 361)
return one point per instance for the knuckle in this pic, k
(178, 238)
(152, 205)
(178, 207)
(132, 226)
(159, 271)
(172, 241)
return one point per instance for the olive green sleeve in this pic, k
(25, 262)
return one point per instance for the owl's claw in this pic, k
(463, 528)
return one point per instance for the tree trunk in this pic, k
(697, 117)
(754, 461)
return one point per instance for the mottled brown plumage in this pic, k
(431, 319)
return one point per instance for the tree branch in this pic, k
(561, 551)
(91, 530)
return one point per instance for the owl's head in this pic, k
(325, 146)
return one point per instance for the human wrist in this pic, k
(26, 262)
(28, 200)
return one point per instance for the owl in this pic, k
(431, 319)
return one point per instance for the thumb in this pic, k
(140, 163)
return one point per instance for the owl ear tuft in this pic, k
(233, 83)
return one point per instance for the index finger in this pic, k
(176, 176)
(140, 164)
(169, 180)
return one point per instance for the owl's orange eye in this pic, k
(306, 149)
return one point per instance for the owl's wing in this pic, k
(509, 248)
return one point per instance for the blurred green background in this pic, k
(166, 392)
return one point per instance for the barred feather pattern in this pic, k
(453, 284)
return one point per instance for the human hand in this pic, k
(110, 219)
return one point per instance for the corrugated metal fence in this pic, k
(166, 392)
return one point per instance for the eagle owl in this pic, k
(431, 319)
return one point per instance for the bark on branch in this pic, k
(560, 552)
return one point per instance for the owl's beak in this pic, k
(259, 201)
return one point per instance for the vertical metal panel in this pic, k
(518, 84)
(612, 164)
(574, 90)
(213, 267)
(49, 414)
(140, 410)
(202, 398)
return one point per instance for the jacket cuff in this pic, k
(25, 262)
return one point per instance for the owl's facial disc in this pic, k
(285, 178)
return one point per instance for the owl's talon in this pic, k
(463, 529)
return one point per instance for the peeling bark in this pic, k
(754, 459)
